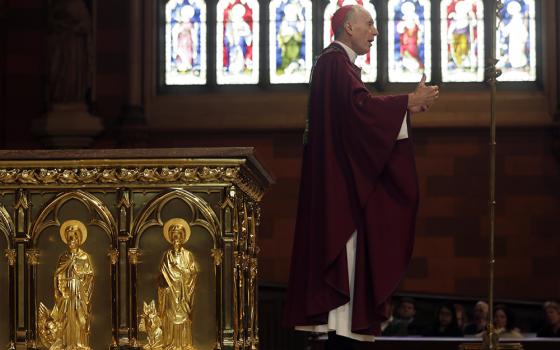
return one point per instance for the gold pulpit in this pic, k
(133, 249)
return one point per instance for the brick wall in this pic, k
(451, 252)
(22, 62)
(450, 255)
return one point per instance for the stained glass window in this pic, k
(462, 40)
(183, 54)
(515, 41)
(409, 38)
(368, 62)
(237, 42)
(290, 45)
(185, 42)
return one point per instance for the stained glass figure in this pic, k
(515, 41)
(367, 62)
(237, 42)
(409, 37)
(462, 40)
(290, 46)
(185, 42)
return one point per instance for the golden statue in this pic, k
(176, 288)
(67, 326)
(151, 324)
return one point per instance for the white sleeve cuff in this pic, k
(403, 133)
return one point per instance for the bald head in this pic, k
(481, 311)
(353, 26)
(482, 305)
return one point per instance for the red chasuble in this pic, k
(355, 176)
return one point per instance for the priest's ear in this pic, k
(348, 28)
(344, 30)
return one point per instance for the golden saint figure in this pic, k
(67, 326)
(176, 288)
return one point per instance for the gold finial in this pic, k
(32, 256)
(11, 256)
(113, 255)
(217, 254)
(134, 255)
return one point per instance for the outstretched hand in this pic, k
(423, 97)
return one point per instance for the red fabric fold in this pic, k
(355, 176)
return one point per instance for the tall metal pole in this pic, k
(491, 338)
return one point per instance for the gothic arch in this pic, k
(104, 220)
(203, 215)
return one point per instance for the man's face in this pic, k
(362, 31)
(480, 312)
(445, 317)
(407, 310)
(552, 315)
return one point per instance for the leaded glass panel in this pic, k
(237, 42)
(515, 41)
(290, 41)
(409, 38)
(462, 40)
(185, 42)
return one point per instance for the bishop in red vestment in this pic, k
(358, 192)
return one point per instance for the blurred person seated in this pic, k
(404, 323)
(552, 327)
(480, 319)
(389, 311)
(504, 323)
(445, 324)
(462, 319)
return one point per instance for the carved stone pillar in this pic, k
(557, 114)
(556, 131)
(71, 66)
(133, 126)
(3, 17)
